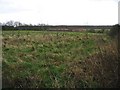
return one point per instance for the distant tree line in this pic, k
(18, 23)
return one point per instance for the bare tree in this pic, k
(10, 23)
(17, 23)
(40, 24)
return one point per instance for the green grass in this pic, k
(49, 59)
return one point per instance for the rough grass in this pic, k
(33, 59)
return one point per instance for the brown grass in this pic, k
(100, 69)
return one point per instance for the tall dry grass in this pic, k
(99, 69)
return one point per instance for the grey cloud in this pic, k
(7, 6)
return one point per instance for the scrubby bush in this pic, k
(114, 31)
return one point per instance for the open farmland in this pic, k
(37, 59)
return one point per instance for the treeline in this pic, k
(7, 28)
(90, 29)
(16, 25)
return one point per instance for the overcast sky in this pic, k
(60, 12)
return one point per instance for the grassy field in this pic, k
(38, 59)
